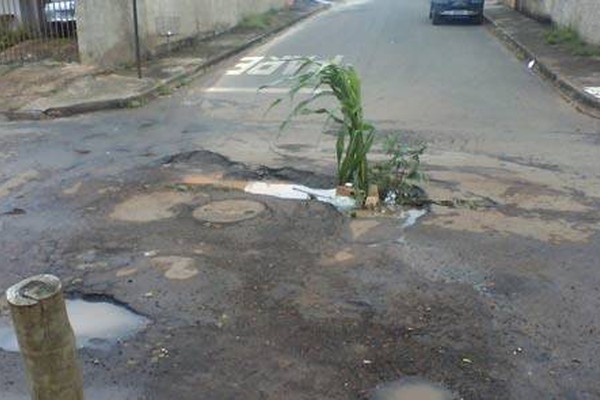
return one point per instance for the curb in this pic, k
(153, 92)
(583, 101)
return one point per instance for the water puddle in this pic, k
(300, 192)
(97, 325)
(412, 216)
(91, 393)
(412, 389)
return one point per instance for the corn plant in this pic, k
(354, 135)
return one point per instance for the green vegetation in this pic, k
(354, 135)
(9, 37)
(258, 21)
(397, 177)
(569, 38)
(164, 90)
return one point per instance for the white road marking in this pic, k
(294, 64)
(244, 65)
(265, 66)
(594, 91)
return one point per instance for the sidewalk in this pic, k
(53, 89)
(577, 77)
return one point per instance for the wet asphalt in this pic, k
(498, 303)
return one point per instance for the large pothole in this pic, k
(97, 325)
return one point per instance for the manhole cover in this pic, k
(227, 211)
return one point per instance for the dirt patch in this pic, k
(149, 207)
(176, 268)
(25, 84)
(228, 211)
(17, 181)
(531, 226)
(533, 202)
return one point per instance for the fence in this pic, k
(34, 30)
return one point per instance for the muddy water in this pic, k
(97, 325)
(413, 389)
(412, 217)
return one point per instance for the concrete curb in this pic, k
(147, 95)
(583, 101)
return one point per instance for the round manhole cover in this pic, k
(227, 211)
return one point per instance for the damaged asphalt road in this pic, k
(300, 301)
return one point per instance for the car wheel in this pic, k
(478, 19)
(436, 18)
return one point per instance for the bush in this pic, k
(9, 37)
(398, 177)
(258, 21)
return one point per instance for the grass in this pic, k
(164, 90)
(570, 38)
(9, 38)
(258, 21)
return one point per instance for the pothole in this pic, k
(150, 207)
(229, 211)
(412, 389)
(97, 325)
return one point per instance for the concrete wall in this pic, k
(581, 15)
(192, 18)
(106, 30)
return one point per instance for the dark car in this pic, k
(456, 9)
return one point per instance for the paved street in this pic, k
(512, 289)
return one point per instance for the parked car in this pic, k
(60, 16)
(456, 9)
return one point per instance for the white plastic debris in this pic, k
(300, 192)
(593, 90)
(531, 64)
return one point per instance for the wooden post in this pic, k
(45, 338)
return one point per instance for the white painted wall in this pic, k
(581, 15)
(105, 32)
(105, 26)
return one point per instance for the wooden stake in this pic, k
(46, 338)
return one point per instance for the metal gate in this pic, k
(34, 30)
